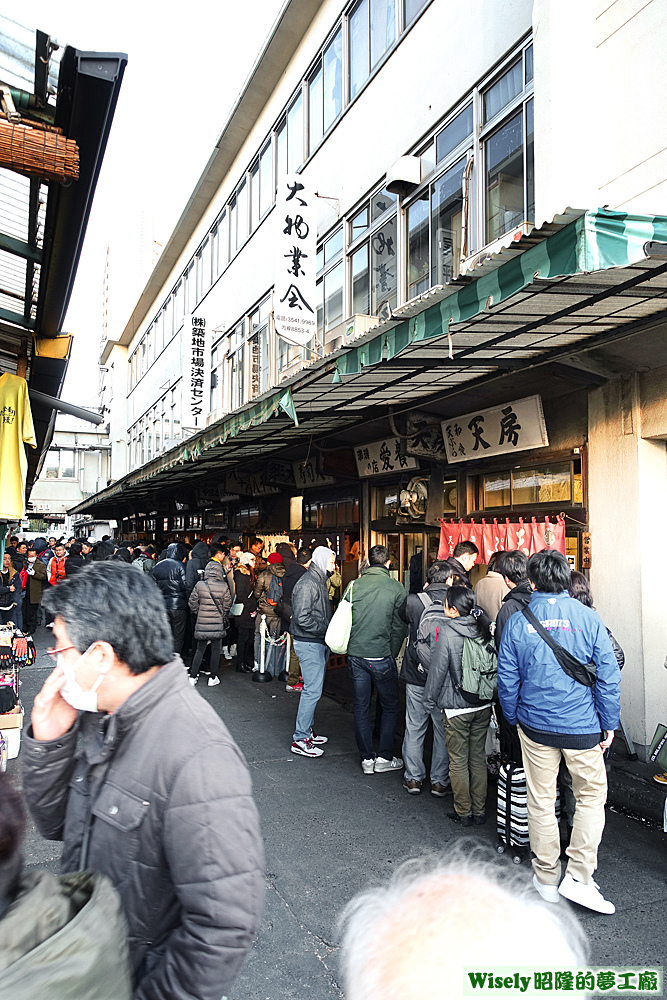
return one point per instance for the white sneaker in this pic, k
(213, 682)
(317, 740)
(232, 649)
(368, 765)
(586, 895)
(193, 680)
(547, 892)
(225, 652)
(382, 764)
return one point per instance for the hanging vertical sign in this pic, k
(294, 301)
(196, 355)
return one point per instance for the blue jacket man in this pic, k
(559, 718)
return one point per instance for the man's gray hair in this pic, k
(411, 938)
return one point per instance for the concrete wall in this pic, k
(600, 95)
(628, 497)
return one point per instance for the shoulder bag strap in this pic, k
(221, 610)
(425, 599)
(587, 676)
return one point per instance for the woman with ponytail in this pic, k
(461, 682)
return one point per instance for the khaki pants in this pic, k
(294, 666)
(465, 736)
(589, 784)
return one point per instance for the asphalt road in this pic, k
(330, 830)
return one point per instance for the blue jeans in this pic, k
(313, 658)
(416, 724)
(384, 676)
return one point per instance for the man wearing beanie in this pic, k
(310, 618)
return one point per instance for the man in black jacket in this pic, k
(440, 576)
(464, 558)
(513, 567)
(105, 773)
(169, 574)
(310, 618)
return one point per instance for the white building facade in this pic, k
(434, 134)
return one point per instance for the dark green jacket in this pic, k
(379, 622)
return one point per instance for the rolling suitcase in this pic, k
(512, 812)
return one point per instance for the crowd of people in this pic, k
(520, 647)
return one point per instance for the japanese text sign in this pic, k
(382, 456)
(512, 427)
(306, 474)
(295, 306)
(196, 366)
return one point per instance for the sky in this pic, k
(186, 66)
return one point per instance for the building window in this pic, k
(330, 266)
(281, 151)
(242, 214)
(295, 136)
(235, 354)
(434, 232)
(373, 259)
(333, 80)
(411, 8)
(265, 180)
(457, 131)
(259, 345)
(254, 197)
(315, 109)
(372, 26)
(557, 483)
(508, 150)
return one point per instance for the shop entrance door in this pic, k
(412, 562)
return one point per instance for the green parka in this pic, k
(379, 621)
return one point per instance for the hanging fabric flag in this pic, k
(545, 535)
(493, 539)
(519, 536)
(450, 535)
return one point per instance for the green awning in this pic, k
(594, 242)
(221, 432)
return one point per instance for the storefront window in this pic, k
(550, 484)
(497, 491)
(384, 266)
(394, 546)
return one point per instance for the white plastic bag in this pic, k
(340, 626)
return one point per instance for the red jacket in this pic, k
(57, 570)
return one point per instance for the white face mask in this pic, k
(72, 692)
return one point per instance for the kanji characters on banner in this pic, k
(493, 539)
(529, 538)
(450, 535)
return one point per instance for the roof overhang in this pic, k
(597, 279)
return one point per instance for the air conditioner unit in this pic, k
(404, 176)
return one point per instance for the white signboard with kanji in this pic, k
(500, 430)
(294, 300)
(196, 366)
(381, 457)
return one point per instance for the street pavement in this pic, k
(330, 831)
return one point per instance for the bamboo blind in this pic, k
(38, 153)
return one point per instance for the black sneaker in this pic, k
(479, 820)
(463, 820)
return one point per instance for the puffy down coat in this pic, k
(210, 601)
(174, 827)
(169, 574)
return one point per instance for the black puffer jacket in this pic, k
(175, 829)
(169, 574)
(443, 681)
(517, 599)
(244, 595)
(311, 610)
(411, 672)
(210, 601)
(196, 564)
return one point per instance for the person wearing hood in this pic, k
(194, 570)
(466, 716)
(210, 602)
(169, 574)
(440, 579)
(513, 567)
(311, 613)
